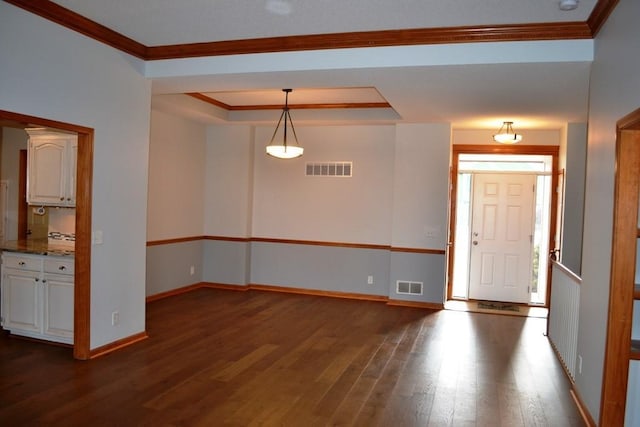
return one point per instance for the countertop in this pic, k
(38, 247)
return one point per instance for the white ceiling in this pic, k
(167, 22)
(534, 91)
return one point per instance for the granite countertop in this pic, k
(38, 247)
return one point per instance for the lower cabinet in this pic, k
(37, 296)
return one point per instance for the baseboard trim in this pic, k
(117, 345)
(562, 363)
(298, 291)
(317, 292)
(582, 408)
(173, 292)
(224, 286)
(416, 304)
(584, 412)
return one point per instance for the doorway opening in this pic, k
(84, 179)
(502, 224)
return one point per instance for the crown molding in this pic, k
(342, 105)
(599, 15)
(76, 22)
(405, 37)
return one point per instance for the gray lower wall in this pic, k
(226, 262)
(417, 267)
(314, 267)
(325, 268)
(169, 266)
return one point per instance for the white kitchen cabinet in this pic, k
(37, 296)
(51, 168)
(21, 301)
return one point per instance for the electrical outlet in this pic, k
(115, 318)
(192, 270)
(370, 280)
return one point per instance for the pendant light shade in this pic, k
(280, 148)
(506, 134)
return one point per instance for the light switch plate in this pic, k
(96, 237)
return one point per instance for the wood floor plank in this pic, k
(224, 358)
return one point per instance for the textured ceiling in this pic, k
(168, 22)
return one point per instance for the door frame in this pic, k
(622, 292)
(23, 207)
(541, 150)
(84, 182)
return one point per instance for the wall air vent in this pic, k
(408, 288)
(339, 169)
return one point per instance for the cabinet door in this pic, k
(58, 307)
(21, 301)
(47, 159)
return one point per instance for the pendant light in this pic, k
(506, 134)
(280, 149)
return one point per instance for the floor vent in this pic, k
(408, 288)
(340, 169)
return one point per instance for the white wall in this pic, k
(420, 187)
(398, 192)
(615, 92)
(229, 181)
(574, 165)
(290, 205)
(176, 177)
(51, 72)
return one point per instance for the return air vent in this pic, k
(408, 288)
(339, 169)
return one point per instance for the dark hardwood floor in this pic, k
(224, 358)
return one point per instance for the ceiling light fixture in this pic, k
(568, 4)
(506, 134)
(282, 150)
(278, 7)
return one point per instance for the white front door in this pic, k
(501, 237)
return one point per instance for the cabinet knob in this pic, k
(62, 268)
(61, 198)
(37, 280)
(21, 263)
(44, 280)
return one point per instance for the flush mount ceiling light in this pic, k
(568, 4)
(278, 7)
(280, 149)
(506, 134)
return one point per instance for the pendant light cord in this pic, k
(286, 115)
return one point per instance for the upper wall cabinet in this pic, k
(51, 168)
